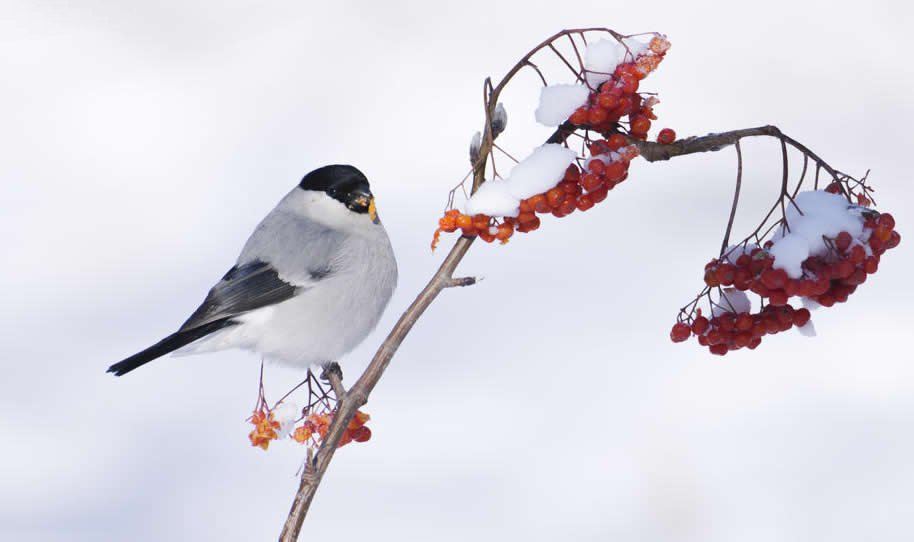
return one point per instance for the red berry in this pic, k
(774, 278)
(843, 241)
(616, 141)
(584, 202)
(666, 136)
(599, 194)
(579, 117)
(596, 115)
(801, 316)
(680, 332)
(555, 197)
(887, 221)
(719, 349)
(640, 124)
(700, 325)
(744, 321)
(777, 297)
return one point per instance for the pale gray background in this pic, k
(142, 141)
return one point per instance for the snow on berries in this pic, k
(823, 250)
(555, 179)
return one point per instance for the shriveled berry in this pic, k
(680, 332)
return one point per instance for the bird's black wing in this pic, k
(244, 288)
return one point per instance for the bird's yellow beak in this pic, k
(373, 211)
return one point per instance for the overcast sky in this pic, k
(142, 142)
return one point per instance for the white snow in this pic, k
(600, 60)
(788, 253)
(494, 199)
(558, 102)
(807, 329)
(540, 171)
(732, 300)
(286, 414)
(823, 214)
(636, 47)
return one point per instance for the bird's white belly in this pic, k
(317, 326)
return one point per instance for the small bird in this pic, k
(310, 284)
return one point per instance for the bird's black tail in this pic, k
(166, 345)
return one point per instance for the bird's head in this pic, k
(344, 184)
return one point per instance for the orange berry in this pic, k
(596, 115)
(540, 205)
(607, 101)
(615, 172)
(616, 141)
(505, 231)
(599, 194)
(579, 117)
(555, 196)
(463, 221)
(447, 223)
(572, 174)
(361, 434)
(481, 222)
(640, 124)
(584, 202)
(529, 225)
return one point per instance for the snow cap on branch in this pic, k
(493, 199)
(558, 102)
(600, 60)
(823, 215)
(540, 171)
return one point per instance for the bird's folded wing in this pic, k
(245, 287)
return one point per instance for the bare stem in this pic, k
(739, 184)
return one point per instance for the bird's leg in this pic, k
(334, 375)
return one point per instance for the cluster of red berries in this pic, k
(729, 331)
(576, 191)
(827, 279)
(619, 96)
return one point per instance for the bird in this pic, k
(310, 284)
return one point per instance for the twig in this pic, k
(739, 183)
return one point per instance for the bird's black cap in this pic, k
(343, 183)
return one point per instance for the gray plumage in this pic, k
(311, 282)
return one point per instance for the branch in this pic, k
(653, 152)
(357, 396)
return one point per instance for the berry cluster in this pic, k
(576, 191)
(265, 428)
(732, 331)
(619, 96)
(609, 157)
(827, 278)
(315, 428)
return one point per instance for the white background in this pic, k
(142, 141)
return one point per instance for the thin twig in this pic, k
(739, 184)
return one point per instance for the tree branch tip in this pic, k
(462, 281)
